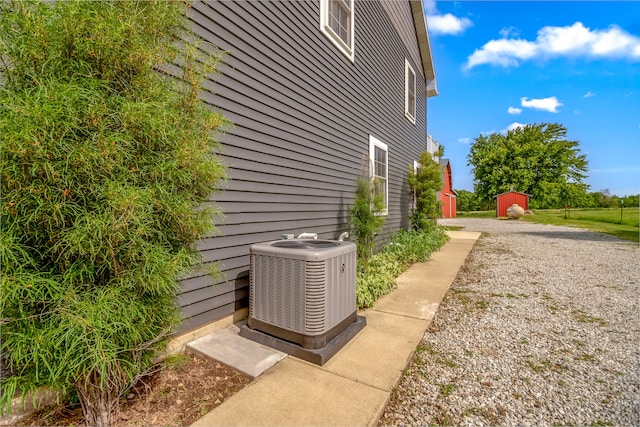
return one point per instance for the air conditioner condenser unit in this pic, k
(302, 291)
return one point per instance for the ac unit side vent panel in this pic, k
(315, 297)
(280, 302)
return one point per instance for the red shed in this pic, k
(447, 195)
(509, 198)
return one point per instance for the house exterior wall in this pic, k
(505, 200)
(302, 116)
(399, 13)
(432, 148)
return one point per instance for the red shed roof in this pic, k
(509, 192)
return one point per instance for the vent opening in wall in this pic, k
(302, 297)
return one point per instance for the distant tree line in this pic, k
(467, 201)
(603, 199)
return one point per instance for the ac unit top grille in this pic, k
(308, 250)
(305, 244)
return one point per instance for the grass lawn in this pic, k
(603, 220)
(477, 214)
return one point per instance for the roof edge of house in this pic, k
(420, 22)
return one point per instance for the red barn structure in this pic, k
(505, 200)
(447, 194)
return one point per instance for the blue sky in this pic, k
(501, 64)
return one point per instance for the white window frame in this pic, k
(346, 47)
(409, 92)
(373, 144)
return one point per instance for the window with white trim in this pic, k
(378, 155)
(336, 22)
(409, 92)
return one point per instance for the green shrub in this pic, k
(416, 246)
(106, 163)
(425, 182)
(365, 216)
(377, 275)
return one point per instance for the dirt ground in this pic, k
(175, 395)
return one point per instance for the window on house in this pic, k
(380, 169)
(336, 22)
(409, 92)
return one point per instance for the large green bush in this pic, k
(377, 275)
(106, 162)
(425, 182)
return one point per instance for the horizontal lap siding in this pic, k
(382, 64)
(398, 11)
(302, 114)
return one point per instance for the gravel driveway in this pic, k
(541, 327)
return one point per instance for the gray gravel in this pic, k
(541, 327)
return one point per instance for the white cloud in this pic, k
(447, 24)
(565, 40)
(444, 24)
(464, 140)
(505, 52)
(589, 94)
(550, 104)
(514, 110)
(514, 125)
(574, 40)
(509, 32)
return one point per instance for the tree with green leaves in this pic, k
(107, 158)
(632, 200)
(466, 201)
(536, 159)
(425, 182)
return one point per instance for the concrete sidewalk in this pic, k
(352, 389)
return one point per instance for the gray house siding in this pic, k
(399, 13)
(302, 114)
